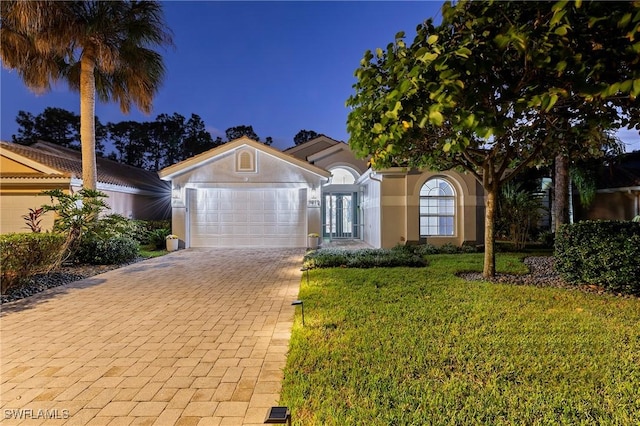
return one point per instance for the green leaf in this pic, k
(436, 118)
(432, 39)
(463, 52)
(377, 128)
(636, 87)
(560, 66)
(469, 120)
(447, 147)
(561, 31)
(379, 52)
(552, 101)
(624, 20)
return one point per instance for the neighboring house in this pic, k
(618, 191)
(247, 194)
(26, 171)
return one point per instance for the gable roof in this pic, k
(311, 147)
(197, 160)
(50, 160)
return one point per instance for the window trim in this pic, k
(243, 153)
(422, 214)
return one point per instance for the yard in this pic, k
(422, 346)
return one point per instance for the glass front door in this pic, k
(340, 215)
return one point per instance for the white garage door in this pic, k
(248, 218)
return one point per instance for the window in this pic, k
(245, 161)
(437, 208)
(342, 176)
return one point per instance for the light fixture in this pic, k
(301, 303)
(278, 415)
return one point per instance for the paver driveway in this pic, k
(197, 337)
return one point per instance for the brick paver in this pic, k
(197, 337)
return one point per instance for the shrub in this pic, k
(145, 229)
(23, 255)
(425, 249)
(604, 253)
(106, 251)
(363, 258)
(157, 237)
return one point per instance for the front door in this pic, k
(340, 215)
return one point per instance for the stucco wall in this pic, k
(221, 172)
(609, 206)
(400, 204)
(7, 165)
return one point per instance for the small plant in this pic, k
(157, 237)
(33, 219)
(171, 237)
(636, 219)
(313, 235)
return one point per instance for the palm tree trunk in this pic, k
(87, 121)
(561, 192)
(489, 269)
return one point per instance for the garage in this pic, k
(244, 194)
(248, 217)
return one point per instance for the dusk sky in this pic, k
(278, 66)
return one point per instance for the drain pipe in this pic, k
(371, 176)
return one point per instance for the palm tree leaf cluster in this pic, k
(103, 48)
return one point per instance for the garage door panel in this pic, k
(248, 218)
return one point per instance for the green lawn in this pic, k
(397, 346)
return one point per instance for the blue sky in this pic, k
(278, 66)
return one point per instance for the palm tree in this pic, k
(102, 48)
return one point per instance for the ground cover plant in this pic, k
(398, 346)
(362, 258)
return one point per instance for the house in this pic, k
(247, 194)
(618, 191)
(26, 171)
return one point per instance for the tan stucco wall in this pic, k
(609, 206)
(400, 204)
(7, 165)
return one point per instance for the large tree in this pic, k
(491, 91)
(304, 136)
(237, 132)
(102, 48)
(55, 125)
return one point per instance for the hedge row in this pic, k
(363, 258)
(24, 255)
(604, 253)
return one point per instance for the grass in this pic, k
(149, 251)
(396, 346)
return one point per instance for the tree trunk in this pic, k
(489, 269)
(561, 192)
(87, 122)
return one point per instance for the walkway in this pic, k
(197, 337)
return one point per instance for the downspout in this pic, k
(371, 174)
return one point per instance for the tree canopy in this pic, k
(304, 136)
(496, 87)
(102, 48)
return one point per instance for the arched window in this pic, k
(342, 176)
(245, 161)
(437, 208)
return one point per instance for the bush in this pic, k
(363, 258)
(23, 255)
(157, 237)
(146, 229)
(604, 253)
(106, 251)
